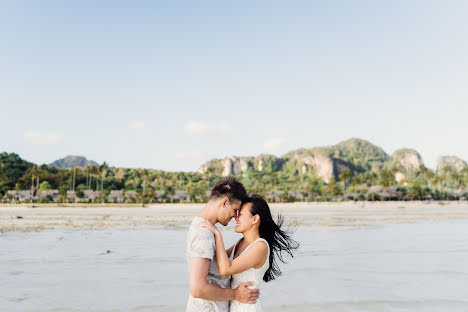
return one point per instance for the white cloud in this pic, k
(41, 138)
(189, 155)
(274, 144)
(137, 124)
(196, 128)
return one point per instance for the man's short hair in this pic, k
(231, 188)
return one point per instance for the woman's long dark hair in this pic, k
(280, 241)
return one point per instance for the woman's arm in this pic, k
(252, 257)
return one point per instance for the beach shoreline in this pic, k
(36, 217)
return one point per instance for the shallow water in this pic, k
(398, 267)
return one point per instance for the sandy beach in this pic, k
(354, 257)
(36, 217)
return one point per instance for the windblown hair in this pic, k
(280, 240)
(231, 188)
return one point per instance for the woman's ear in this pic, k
(256, 219)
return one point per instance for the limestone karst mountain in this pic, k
(326, 162)
(452, 162)
(355, 155)
(406, 159)
(233, 165)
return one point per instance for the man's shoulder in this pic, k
(202, 233)
(197, 232)
(200, 243)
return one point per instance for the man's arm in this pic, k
(200, 288)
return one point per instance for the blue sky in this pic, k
(171, 84)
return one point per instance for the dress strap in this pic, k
(258, 239)
(266, 243)
(266, 263)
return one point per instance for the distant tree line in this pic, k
(146, 185)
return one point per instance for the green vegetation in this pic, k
(12, 170)
(360, 171)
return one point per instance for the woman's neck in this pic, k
(250, 236)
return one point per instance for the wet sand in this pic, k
(36, 217)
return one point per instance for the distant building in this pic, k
(71, 196)
(91, 196)
(131, 196)
(384, 193)
(181, 196)
(20, 195)
(160, 196)
(351, 196)
(49, 195)
(460, 194)
(297, 195)
(115, 196)
(274, 196)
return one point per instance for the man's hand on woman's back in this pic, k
(246, 295)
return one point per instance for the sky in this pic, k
(171, 84)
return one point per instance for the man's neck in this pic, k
(208, 213)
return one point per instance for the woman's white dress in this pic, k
(250, 275)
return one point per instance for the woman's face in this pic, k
(244, 219)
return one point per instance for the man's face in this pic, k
(228, 211)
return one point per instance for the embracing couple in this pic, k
(228, 280)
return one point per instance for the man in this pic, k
(209, 291)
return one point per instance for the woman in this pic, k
(253, 257)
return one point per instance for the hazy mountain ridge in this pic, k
(71, 161)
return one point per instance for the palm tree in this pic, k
(34, 171)
(74, 178)
(1, 176)
(93, 171)
(87, 170)
(136, 181)
(150, 193)
(171, 191)
(144, 173)
(103, 171)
